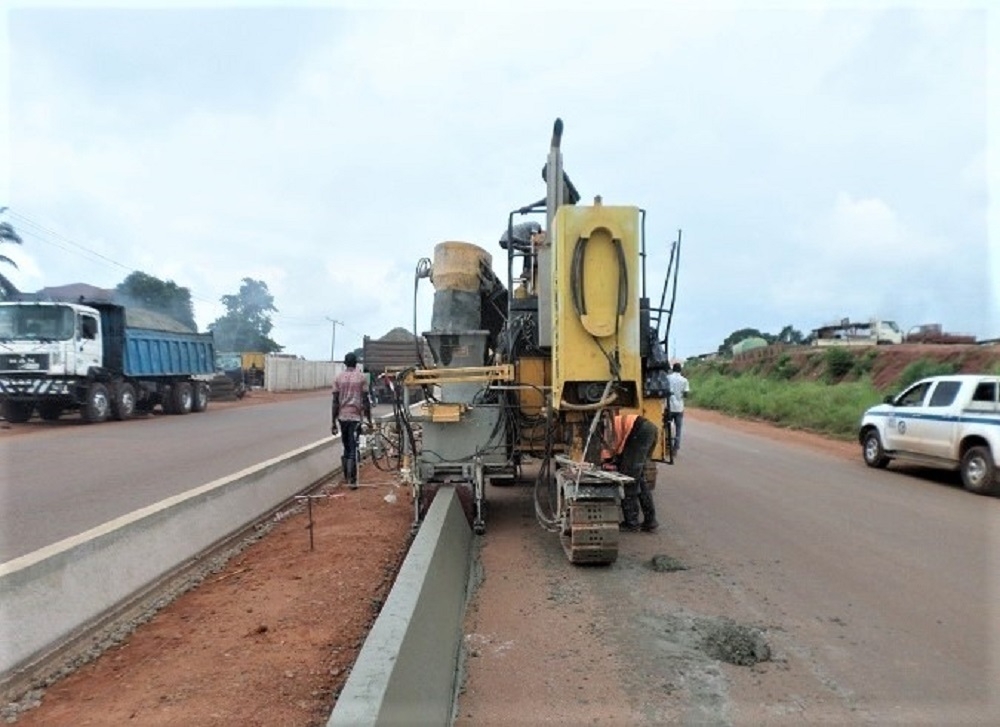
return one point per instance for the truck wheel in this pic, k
(123, 406)
(871, 448)
(181, 398)
(50, 411)
(17, 412)
(201, 396)
(98, 404)
(978, 471)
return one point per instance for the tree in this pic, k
(791, 335)
(149, 292)
(246, 326)
(8, 234)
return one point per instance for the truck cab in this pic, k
(57, 339)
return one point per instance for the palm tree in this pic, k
(7, 234)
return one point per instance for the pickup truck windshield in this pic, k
(36, 323)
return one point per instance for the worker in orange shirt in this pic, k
(629, 446)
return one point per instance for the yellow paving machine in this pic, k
(526, 372)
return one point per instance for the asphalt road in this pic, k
(60, 480)
(877, 592)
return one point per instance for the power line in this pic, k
(41, 233)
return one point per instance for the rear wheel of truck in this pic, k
(123, 406)
(979, 474)
(17, 412)
(181, 398)
(200, 392)
(98, 405)
(50, 411)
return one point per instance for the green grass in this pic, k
(831, 409)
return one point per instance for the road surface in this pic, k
(61, 479)
(876, 593)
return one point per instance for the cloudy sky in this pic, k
(822, 160)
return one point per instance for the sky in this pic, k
(820, 161)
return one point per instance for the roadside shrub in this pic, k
(784, 368)
(839, 363)
(922, 368)
(866, 363)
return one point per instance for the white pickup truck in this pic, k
(945, 422)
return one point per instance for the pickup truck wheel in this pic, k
(978, 472)
(17, 412)
(123, 406)
(200, 397)
(182, 398)
(98, 404)
(871, 448)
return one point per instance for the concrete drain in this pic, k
(733, 643)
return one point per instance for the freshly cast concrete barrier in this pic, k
(49, 595)
(406, 671)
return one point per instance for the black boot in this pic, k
(343, 470)
(630, 512)
(351, 470)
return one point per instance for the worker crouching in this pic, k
(629, 446)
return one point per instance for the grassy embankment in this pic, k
(830, 403)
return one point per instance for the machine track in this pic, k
(590, 512)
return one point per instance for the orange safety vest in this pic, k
(621, 427)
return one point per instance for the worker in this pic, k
(632, 440)
(526, 239)
(673, 407)
(350, 404)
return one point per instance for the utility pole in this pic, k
(333, 338)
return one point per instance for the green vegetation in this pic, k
(834, 410)
(923, 368)
(825, 392)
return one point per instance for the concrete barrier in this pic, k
(47, 596)
(406, 671)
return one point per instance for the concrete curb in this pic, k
(406, 671)
(51, 594)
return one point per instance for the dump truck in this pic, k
(58, 356)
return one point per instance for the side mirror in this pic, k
(889, 399)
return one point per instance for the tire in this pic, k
(123, 405)
(166, 399)
(979, 474)
(98, 405)
(181, 398)
(384, 452)
(201, 395)
(50, 411)
(17, 412)
(872, 450)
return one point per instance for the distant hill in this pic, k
(884, 364)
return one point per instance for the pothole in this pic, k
(734, 643)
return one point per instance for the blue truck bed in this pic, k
(164, 353)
